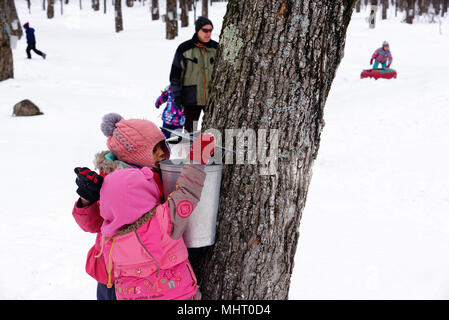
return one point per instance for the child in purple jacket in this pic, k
(382, 56)
(173, 116)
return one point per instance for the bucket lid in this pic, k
(178, 164)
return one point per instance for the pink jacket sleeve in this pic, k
(88, 218)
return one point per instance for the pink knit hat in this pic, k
(126, 195)
(132, 140)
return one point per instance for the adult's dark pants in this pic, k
(192, 114)
(33, 47)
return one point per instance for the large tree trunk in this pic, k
(12, 19)
(171, 20)
(118, 16)
(274, 68)
(6, 62)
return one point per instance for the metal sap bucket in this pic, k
(13, 42)
(200, 230)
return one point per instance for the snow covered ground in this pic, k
(376, 224)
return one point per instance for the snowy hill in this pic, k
(375, 225)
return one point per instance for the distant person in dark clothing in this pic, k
(31, 40)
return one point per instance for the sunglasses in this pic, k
(206, 30)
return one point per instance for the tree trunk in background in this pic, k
(373, 14)
(436, 6)
(357, 5)
(51, 9)
(12, 19)
(96, 5)
(171, 20)
(274, 68)
(205, 11)
(194, 11)
(410, 14)
(129, 3)
(6, 61)
(154, 10)
(444, 11)
(118, 16)
(104, 6)
(384, 9)
(184, 13)
(189, 4)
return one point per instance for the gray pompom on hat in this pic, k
(109, 122)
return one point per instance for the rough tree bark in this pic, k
(12, 19)
(118, 16)
(171, 20)
(274, 68)
(6, 61)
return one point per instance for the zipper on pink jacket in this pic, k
(143, 246)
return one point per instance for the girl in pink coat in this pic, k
(142, 244)
(132, 144)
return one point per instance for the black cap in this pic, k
(201, 22)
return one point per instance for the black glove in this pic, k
(89, 184)
(178, 101)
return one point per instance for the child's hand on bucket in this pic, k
(202, 148)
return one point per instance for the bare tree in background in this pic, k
(155, 10)
(274, 68)
(171, 20)
(96, 5)
(12, 19)
(184, 13)
(410, 11)
(118, 16)
(384, 9)
(50, 9)
(6, 60)
(373, 14)
(205, 8)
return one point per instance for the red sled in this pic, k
(378, 73)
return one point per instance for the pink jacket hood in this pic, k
(125, 196)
